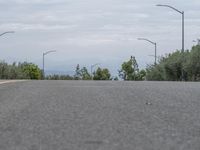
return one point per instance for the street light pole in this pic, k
(183, 31)
(183, 24)
(92, 66)
(154, 43)
(43, 66)
(45, 53)
(155, 53)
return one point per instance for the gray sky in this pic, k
(93, 31)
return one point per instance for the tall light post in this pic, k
(92, 66)
(44, 54)
(183, 24)
(154, 43)
(6, 33)
(183, 32)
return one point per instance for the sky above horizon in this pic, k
(86, 32)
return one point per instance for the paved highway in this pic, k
(78, 115)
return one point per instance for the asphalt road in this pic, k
(77, 115)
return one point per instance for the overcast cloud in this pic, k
(93, 31)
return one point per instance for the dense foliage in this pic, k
(102, 74)
(177, 66)
(82, 74)
(130, 71)
(59, 77)
(19, 71)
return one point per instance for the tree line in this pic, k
(19, 71)
(83, 74)
(176, 66)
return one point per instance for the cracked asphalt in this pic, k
(89, 115)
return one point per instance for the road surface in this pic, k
(78, 115)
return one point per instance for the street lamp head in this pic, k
(45, 53)
(7, 32)
(159, 5)
(170, 7)
(144, 39)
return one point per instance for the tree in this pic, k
(59, 77)
(171, 66)
(31, 71)
(82, 74)
(155, 73)
(102, 74)
(192, 65)
(4, 70)
(115, 78)
(14, 71)
(77, 75)
(19, 71)
(142, 75)
(129, 70)
(85, 74)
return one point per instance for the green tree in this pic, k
(59, 77)
(142, 75)
(13, 71)
(31, 71)
(4, 70)
(19, 71)
(192, 65)
(85, 74)
(102, 74)
(77, 75)
(155, 73)
(171, 66)
(129, 70)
